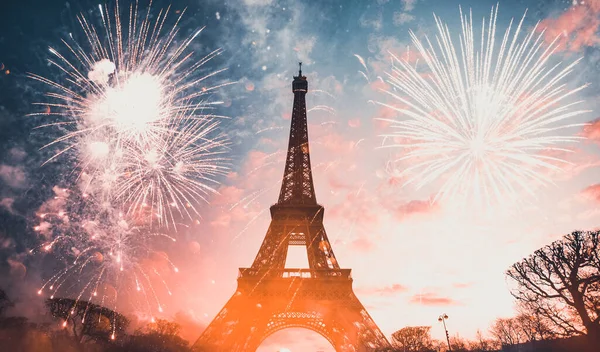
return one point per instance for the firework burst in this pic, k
(135, 111)
(483, 118)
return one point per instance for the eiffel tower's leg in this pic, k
(359, 328)
(231, 328)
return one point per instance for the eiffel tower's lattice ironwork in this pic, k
(270, 297)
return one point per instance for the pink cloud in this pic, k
(432, 299)
(379, 85)
(229, 216)
(413, 207)
(592, 192)
(362, 244)
(384, 113)
(359, 207)
(573, 163)
(382, 291)
(260, 169)
(254, 160)
(228, 195)
(592, 131)
(336, 184)
(336, 143)
(576, 28)
(354, 123)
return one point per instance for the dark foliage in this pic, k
(160, 336)
(88, 321)
(5, 303)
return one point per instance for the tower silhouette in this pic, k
(270, 297)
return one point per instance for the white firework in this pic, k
(487, 119)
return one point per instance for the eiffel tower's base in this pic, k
(321, 301)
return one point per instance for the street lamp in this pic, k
(442, 318)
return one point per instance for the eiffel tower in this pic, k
(270, 297)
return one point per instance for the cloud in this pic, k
(362, 244)
(570, 163)
(228, 195)
(374, 21)
(17, 154)
(592, 131)
(409, 5)
(258, 2)
(592, 192)
(358, 206)
(17, 269)
(13, 176)
(382, 291)
(413, 207)
(462, 285)
(401, 18)
(7, 203)
(432, 299)
(576, 28)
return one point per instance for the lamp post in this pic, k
(442, 318)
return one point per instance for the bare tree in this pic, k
(482, 344)
(507, 331)
(533, 325)
(160, 336)
(163, 327)
(561, 283)
(87, 321)
(413, 339)
(459, 344)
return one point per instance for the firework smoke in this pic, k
(483, 119)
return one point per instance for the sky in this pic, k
(411, 259)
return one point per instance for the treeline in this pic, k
(80, 326)
(557, 293)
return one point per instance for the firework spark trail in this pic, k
(483, 120)
(113, 252)
(137, 114)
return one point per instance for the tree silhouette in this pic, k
(412, 339)
(507, 332)
(88, 321)
(533, 325)
(4, 302)
(482, 344)
(561, 283)
(160, 336)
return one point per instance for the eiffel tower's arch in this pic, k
(271, 297)
(290, 320)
